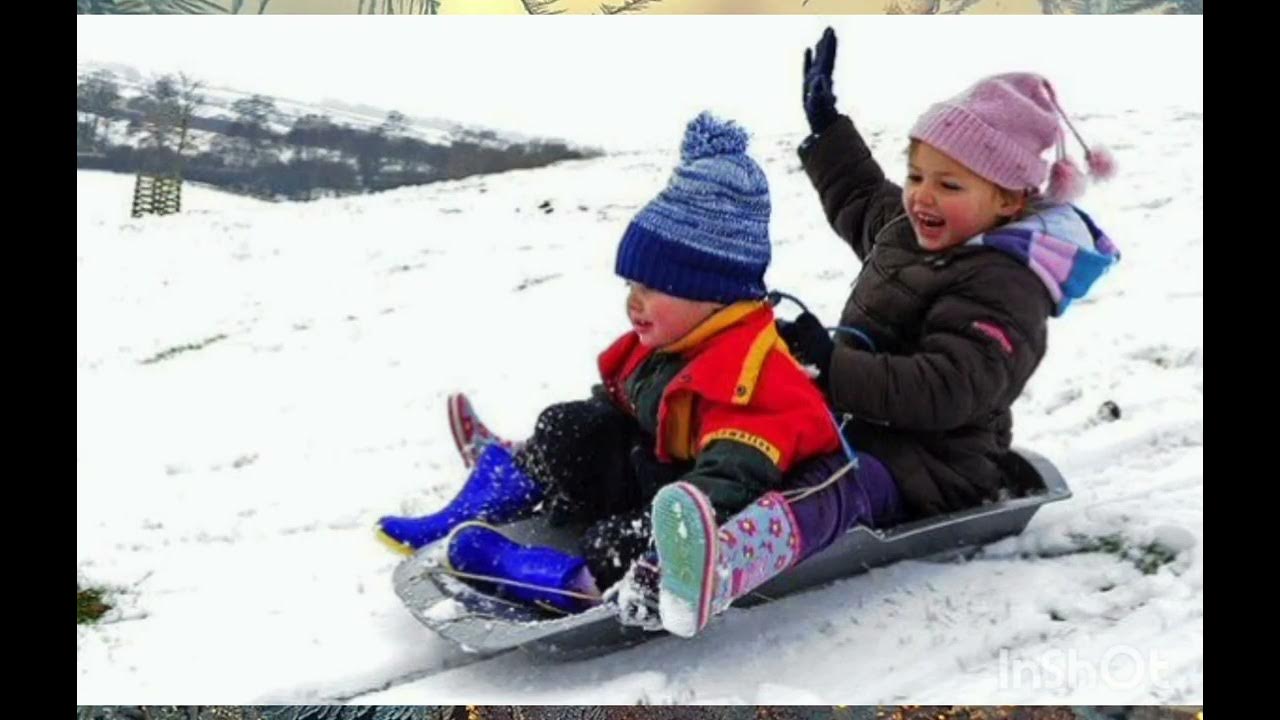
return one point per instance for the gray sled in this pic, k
(481, 623)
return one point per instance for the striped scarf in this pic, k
(1061, 245)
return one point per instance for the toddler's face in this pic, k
(948, 204)
(660, 319)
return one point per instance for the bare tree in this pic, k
(158, 123)
(189, 100)
(167, 107)
(97, 95)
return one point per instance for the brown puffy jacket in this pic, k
(957, 334)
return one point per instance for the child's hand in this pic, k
(819, 98)
(809, 343)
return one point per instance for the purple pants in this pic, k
(865, 496)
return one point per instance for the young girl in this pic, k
(961, 269)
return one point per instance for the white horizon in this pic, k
(631, 83)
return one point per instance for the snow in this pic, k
(679, 616)
(218, 101)
(447, 609)
(226, 494)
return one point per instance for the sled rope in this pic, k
(844, 442)
(796, 495)
(496, 599)
(776, 296)
(513, 583)
(856, 332)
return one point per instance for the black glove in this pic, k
(810, 343)
(819, 98)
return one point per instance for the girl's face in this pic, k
(948, 204)
(660, 319)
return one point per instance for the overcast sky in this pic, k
(633, 82)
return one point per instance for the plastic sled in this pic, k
(481, 623)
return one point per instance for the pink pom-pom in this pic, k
(1066, 182)
(1102, 165)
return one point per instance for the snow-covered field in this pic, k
(226, 493)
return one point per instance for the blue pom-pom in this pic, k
(707, 136)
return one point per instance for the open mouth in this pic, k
(928, 224)
(929, 220)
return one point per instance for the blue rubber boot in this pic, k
(539, 576)
(496, 491)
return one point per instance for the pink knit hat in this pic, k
(999, 127)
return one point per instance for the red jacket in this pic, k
(740, 384)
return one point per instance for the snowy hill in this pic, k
(257, 383)
(218, 102)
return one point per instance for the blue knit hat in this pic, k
(706, 236)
